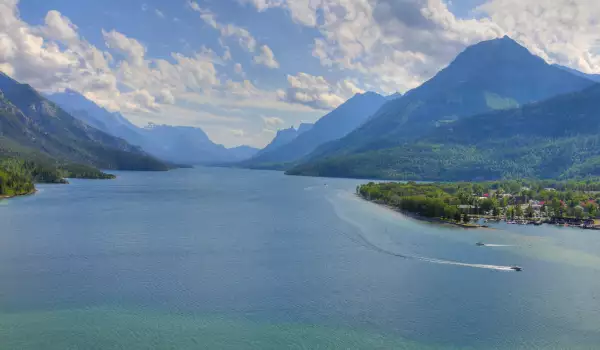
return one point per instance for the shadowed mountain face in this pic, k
(556, 138)
(90, 113)
(285, 136)
(492, 75)
(31, 125)
(183, 145)
(593, 77)
(332, 126)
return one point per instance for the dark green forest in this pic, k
(17, 176)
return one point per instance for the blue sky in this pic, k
(242, 69)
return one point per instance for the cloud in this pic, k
(316, 92)
(237, 132)
(561, 31)
(159, 13)
(391, 44)
(243, 36)
(239, 70)
(178, 89)
(140, 100)
(130, 48)
(266, 58)
(272, 121)
(166, 96)
(59, 28)
(262, 5)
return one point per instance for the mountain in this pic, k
(32, 126)
(556, 138)
(90, 113)
(189, 145)
(285, 136)
(181, 145)
(240, 153)
(393, 96)
(332, 126)
(491, 75)
(594, 77)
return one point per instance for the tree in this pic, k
(518, 211)
(496, 212)
(489, 204)
(578, 212)
(466, 218)
(510, 212)
(478, 189)
(457, 216)
(529, 211)
(592, 210)
(450, 211)
(556, 207)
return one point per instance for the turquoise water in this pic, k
(222, 258)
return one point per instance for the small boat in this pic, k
(480, 244)
(516, 268)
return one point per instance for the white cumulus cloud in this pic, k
(130, 48)
(266, 58)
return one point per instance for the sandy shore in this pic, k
(423, 218)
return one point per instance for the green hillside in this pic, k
(492, 75)
(33, 127)
(558, 138)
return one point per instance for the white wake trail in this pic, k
(361, 239)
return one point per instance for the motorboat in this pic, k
(480, 244)
(516, 268)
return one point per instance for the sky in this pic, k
(242, 69)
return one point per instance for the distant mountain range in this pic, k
(494, 75)
(32, 127)
(285, 136)
(188, 145)
(556, 138)
(177, 144)
(332, 126)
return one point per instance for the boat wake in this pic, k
(361, 240)
(364, 242)
(498, 245)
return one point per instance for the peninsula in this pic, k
(516, 201)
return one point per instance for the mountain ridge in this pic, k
(491, 75)
(176, 144)
(32, 125)
(556, 138)
(513, 76)
(332, 126)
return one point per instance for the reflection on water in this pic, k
(223, 258)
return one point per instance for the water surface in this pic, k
(222, 258)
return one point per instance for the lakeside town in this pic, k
(570, 203)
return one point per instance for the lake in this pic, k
(240, 259)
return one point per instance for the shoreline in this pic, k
(3, 196)
(418, 217)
